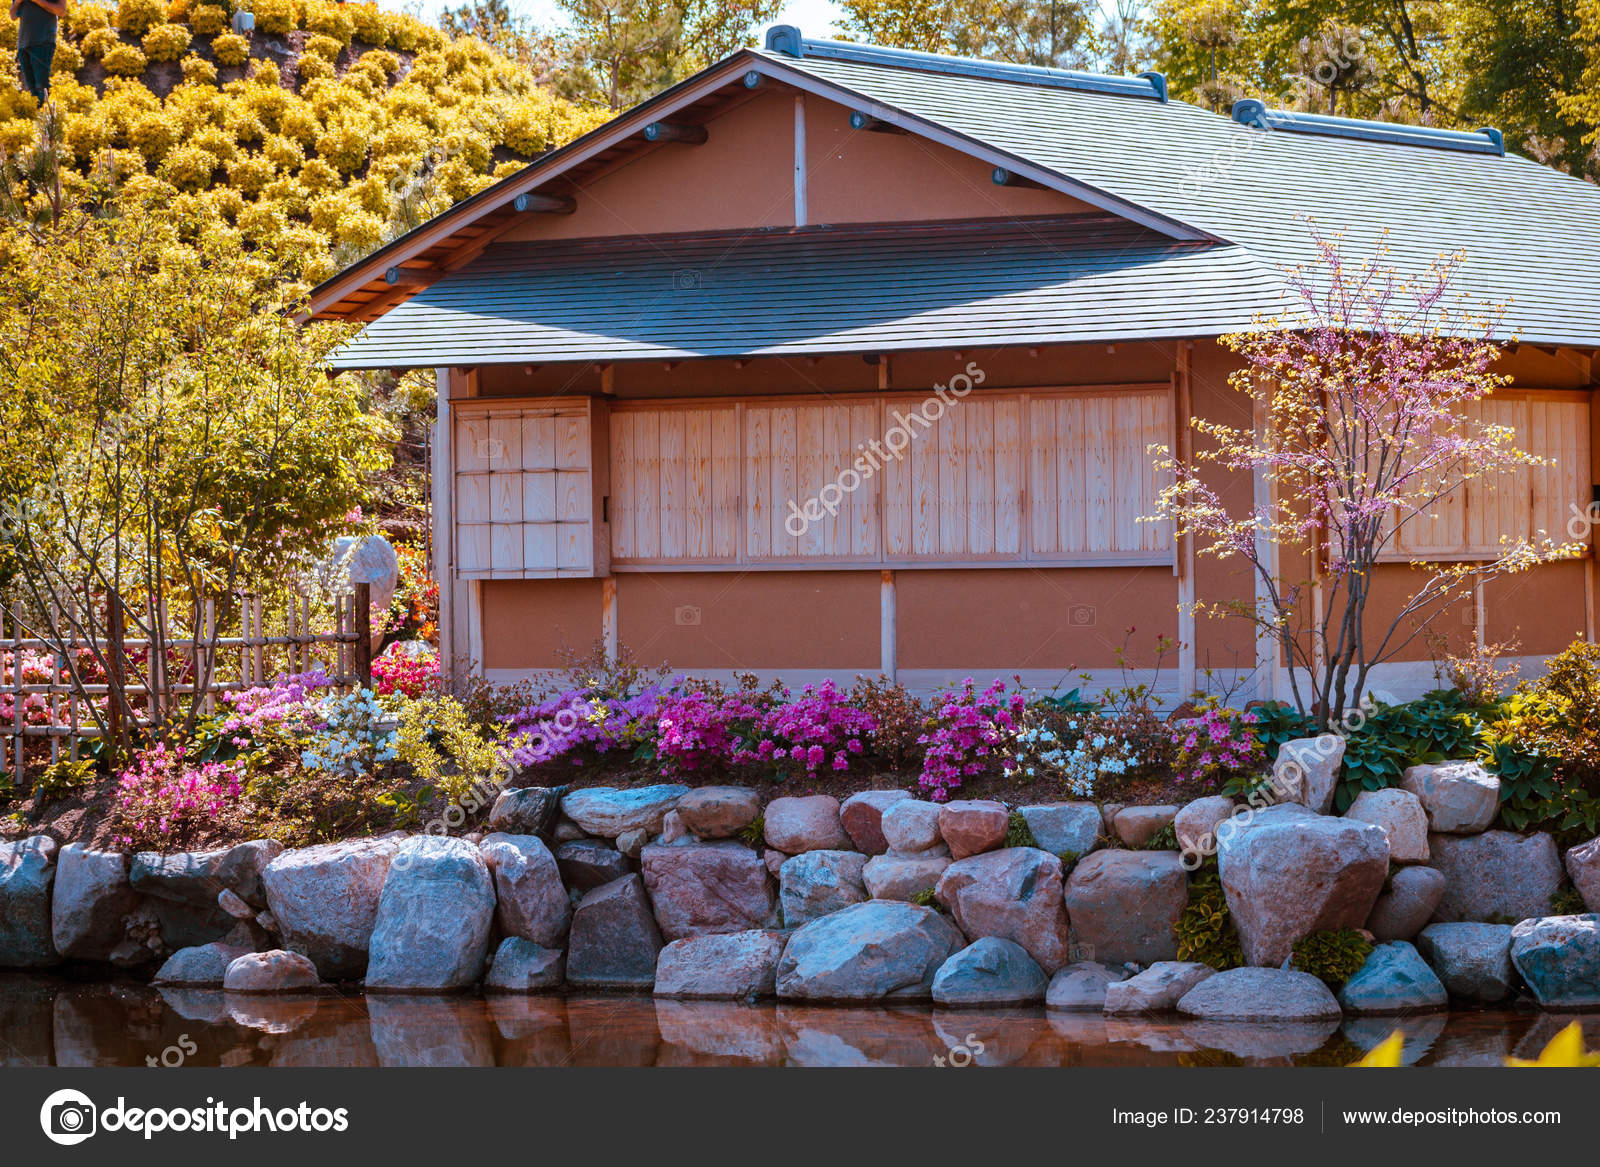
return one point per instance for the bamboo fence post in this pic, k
(260, 645)
(305, 634)
(114, 671)
(208, 623)
(72, 674)
(16, 697)
(51, 703)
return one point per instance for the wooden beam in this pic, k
(409, 277)
(543, 204)
(865, 121)
(608, 617)
(888, 644)
(686, 132)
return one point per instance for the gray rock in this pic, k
(1473, 961)
(632, 843)
(434, 917)
(876, 951)
(614, 940)
(527, 810)
(234, 906)
(674, 831)
(700, 888)
(609, 813)
(270, 972)
(27, 874)
(1583, 868)
(196, 877)
(1081, 987)
(203, 966)
(1400, 814)
(719, 812)
(1461, 797)
(1137, 825)
(565, 830)
(1496, 877)
(988, 972)
(730, 965)
(1161, 986)
(1394, 980)
(586, 864)
(774, 861)
(901, 875)
(819, 882)
(1196, 825)
(1288, 872)
(911, 826)
(1065, 828)
(92, 895)
(861, 815)
(531, 902)
(1260, 994)
(1559, 958)
(1124, 905)
(324, 901)
(1407, 904)
(1015, 894)
(793, 825)
(1306, 771)
(521, 966)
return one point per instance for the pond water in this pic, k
(47, 1021)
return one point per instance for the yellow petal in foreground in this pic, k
(1386, 1054)
(1564, 1051)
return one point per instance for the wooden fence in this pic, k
(225, 664)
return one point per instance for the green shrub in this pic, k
(1166, 839)
(62, 778)
(1334, 957)
(1205, 929)
(1018, 833)
(755, 832)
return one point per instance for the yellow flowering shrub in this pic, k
(250, 173)
(166, 42)
(67, 59)
(208, 19)
(136, 16)
(199, 71)
(124, 61)
(316, 175)
(152, 135)
(274, 16)
(312, 66)
(325, 47)
(83, 16)
(370, 25)
(284, 153)
(98, 42)
(189, 167)
(330, 20)
(230, 49)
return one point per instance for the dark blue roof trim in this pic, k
(1251, 112)
(786, 38)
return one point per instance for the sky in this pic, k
(814, 17)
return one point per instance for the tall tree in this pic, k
(1056, 33)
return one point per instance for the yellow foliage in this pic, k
(67, 59)
(83, 17)
(312, 66)
(98, 42)
(136, 16)
(189, 167)
(330, 20)
(124, 61)
(199, 71)
(166, 42)
(250, 173)
(274, 16)
(230, 49)
(322, 46)
(152, 135)
(208, 19)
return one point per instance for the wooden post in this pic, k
(799, 160)
(17, 719)
(363, 623)
(888, 634)
(608, 618)
(1267, 663)
(1183, 442)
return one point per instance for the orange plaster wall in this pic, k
(528, 624)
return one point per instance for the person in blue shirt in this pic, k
(37, 21)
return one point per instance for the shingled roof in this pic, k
(1237, 196)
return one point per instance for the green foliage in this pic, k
(406, 805)
(1388, 738)
(1069, 860)
(755, 832)
(1166, 839)
(926, 899)
(1018, 833)
(1334, 956)
(62, 778)
(1542, 742)
(444, 749)
(1568, 902)
(1205, 929)
(1278, 722)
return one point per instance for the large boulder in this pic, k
(200, 967)
(1395, 979)
(911, 826)
(1159, 987)
(989, 972)
(530, 899)
(793, 825)
(699, 888)
(877, 951)
(719, 812)
(434, 917)
(862, 817)
(609, 813)
(324, 900)
(1583, 868)
(1559, 958)
(1495, 877)
(586, 864)
(729, 966)
(197, 877)
(526, 810)
(1400, 814)
(1123, 905)
(1260, 994)
(1081, 987)
(819, 882)
(1196, 826)
(1407, 903)
(270, 972)
(1064, 828)
(972, 826)
(1289, 872)
(92, 895)
(27, 873)
(1473, 961)
(521, 966)
(614, 939)
(1306, 771)
(1015, 894)
(1460, 798)
(900, 875)
(1136, 826)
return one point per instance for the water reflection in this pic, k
(45, 1021)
